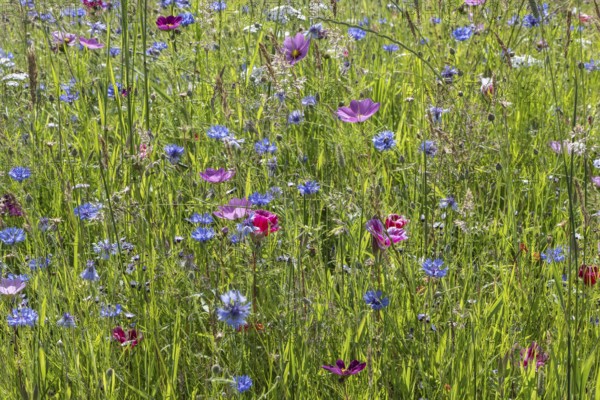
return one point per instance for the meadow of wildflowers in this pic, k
(307, 199)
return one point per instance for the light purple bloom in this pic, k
(296, 48)
(90, 43)
(217, 175)
(359, 110)
(235, 209)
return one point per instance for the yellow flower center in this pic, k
(295, 53)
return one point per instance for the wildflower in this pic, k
(395, 221)
(435, 20)
(356, 33)
(428, 148)
(202, 219)
(309, 101)
(309, 187)
(131, 337)
(448, 73)
(235, 310)
(296, 48)
(90, 43)
(22, 317)
(340, 368)
(530, 21)
(11, 287)
(242, 383)
(384, 141)
(90, 273)
(12, 236)
(105, 249)
(88, 211)
(218, 132)
(264, 146)
(114, 51)
(187, 18)
(110, 311)
(264, 222)
(375, 300)
(295, 117)
(10, 206)
(359, 111)
(591, 66)
(39, 263)
(553, 255)
(168, 23)
(60, 39)
(474, 2)
(534, 353)
(203, 234)
(217, 175)
(596, 181)
(66, 321)
(156, 48)
(316, 31)
(462, 34)
(19, 174)
(383, 237)
(589, 273)
(449, 202)
(390, 48)
(69, 97)
(218, 6)
(235, 209)
(259, 199)
(433, 268)
(174, 153)
(436, 114)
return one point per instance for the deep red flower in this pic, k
(168, 23)
(131, 337)
(395, 221)
(589, 273)
(93, 4)
(264, 223)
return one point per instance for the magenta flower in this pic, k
(90, 43)
(340, 368)
(295, 48)
(383, 237)
(235, 209)
(359, 110)
(396, 221)
(62, 38)
(11, 287)
(596, 181)
(264, 223)
(217, 175)
(168, 23)
(534, 353)
(474, 2)
(377, 230)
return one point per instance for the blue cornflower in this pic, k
(19, 174)
(513, 20)
(356, 33)
(530, 21)
(463, 33)
(242, 383)
(156, 48)
(390, 48)
(104, 248)
(187, 18)
(264, 146)
(22, 317)
(47, 17)
(18, 277)
(110, 311)
(449, 202)
(275, 191)
(259, 199)
(12, 236)
(218, 6)
(316, 31)
(114, 51)
(66, 321)
(39, 263)
(202, 219)
(448, 73)
(295, 117)
(364, 22)
(591, 66)
(429, 148)
(433, 268)
(90, 273)
(375, 301)
(309, 101)
(203, 234)
(88, 211)
(553, 255)
(384, 141)
(382, 21)
(436, 114)
(235, 309)
(218, 132)
(73, 12)
(174, 153)
(112, 89)
(308, 187)
(435, 20)
(280, 96)
(69, 97)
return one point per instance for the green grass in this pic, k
(493, 157)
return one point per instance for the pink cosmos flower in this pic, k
(168, 23)
(131, 337)
(90, 43)
(264, 223)
(11, 287)
(61, 39)
(340, 368)
(296, 48)
(217, 175)
(235, 209)
(359, 111)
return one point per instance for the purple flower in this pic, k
(235, 209)
(340, 368)
(217, 175)
(384, 238)
(296, 48)
(359, 110)
(375, 300)
(534, 353)
(11, 287)
(433, 268)
(168, 23)
(596, 181)
(61, 39)
(90, 43)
